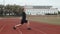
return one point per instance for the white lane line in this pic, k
(2, 28)
(39, 30)
(1, 18)
(19, 31)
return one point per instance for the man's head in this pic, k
(23, 9)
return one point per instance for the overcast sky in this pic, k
(55, 3)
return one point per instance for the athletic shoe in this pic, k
(29, 28)
(14, 28)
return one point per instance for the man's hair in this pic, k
(23, 9)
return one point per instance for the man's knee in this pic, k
(26, 21)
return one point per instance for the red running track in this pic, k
(6, 27)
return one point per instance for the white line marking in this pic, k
(2, 28)
(19, 31)
(39, 31)
(1, 18)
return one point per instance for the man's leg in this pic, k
(22, 22)
(28, 25)
(16, 26)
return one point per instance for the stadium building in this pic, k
(40, 10)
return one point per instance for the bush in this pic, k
(51, 14)
(58, 12)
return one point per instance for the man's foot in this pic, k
(29, 28)
(14, 28)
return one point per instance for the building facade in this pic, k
(40, 10)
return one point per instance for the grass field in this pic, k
(51, 19)
(46, 19)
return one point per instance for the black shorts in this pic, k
(23, 21)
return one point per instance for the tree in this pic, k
(9, 9)
(58, 12)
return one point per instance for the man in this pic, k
(23, 20)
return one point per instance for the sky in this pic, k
(54, 3)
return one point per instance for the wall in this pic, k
(40, 11)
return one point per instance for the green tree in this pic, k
(58, 12)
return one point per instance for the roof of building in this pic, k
(38, 7)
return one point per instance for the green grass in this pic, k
(44, 19)
(50, 19)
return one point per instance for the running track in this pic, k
(6, 27)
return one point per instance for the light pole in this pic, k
(3, 7)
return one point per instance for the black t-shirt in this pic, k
(23, 16)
